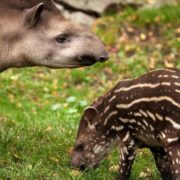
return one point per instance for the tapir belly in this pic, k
(149, 140)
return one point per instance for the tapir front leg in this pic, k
(162, 162)
(127, 155)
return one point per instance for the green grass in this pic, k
(39, 119)
(40, 108)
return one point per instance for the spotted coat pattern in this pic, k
(136, 113)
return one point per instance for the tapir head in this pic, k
(94, 141)
(41, 37)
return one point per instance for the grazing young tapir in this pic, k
(34, 33)
(137, 113)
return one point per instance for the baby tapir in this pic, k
(34, 33)
(137, 113)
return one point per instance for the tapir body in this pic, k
(34, 33)
(136, 113)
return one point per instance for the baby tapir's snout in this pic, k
(77, 162)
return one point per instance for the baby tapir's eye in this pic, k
(80, 147)
(62, 38)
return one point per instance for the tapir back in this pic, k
(158, 90)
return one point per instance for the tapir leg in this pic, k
(127, 155)
(162, 163)
(173, 152)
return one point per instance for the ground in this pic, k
(40, 108)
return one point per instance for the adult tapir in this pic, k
(34, 33)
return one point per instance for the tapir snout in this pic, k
(77, 162)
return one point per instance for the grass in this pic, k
(40, 108)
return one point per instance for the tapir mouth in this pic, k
(86, 168)
(88, 60)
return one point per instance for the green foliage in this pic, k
(109, 27)
(167, 14)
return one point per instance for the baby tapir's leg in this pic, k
(173, 152)
(162, 163)
(127, 154)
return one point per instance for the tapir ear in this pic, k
(91, 114)
(32, 15)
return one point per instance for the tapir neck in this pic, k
(106, 105)
(9, 53)
(5, 61)
(7, 39)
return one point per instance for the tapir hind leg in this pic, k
(162, 163)
(173, 152)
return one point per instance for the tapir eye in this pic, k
(80, 147)
(62, 38)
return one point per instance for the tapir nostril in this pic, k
(90, 59)
(103, 58)
(82, 167)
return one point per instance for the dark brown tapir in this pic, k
(34, 33)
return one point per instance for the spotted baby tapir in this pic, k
(137, 113)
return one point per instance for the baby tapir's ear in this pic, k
(32, 15)
(91, 114)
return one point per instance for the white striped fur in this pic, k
(147, 85)
(155, 99)
(109, 116)
(175, 125)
